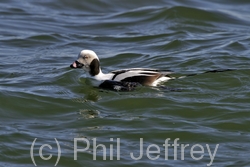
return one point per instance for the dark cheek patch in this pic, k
(94, 67)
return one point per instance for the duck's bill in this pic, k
(73, 65)
(76, 64)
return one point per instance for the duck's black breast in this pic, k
(118, 86)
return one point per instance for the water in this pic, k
(41, 97)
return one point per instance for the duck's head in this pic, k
(88, 60)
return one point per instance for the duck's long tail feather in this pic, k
(210, 71)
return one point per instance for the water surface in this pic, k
(41, 97)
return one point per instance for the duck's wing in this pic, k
(142, 70)
(144, 76)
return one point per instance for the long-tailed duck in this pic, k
(125, 79)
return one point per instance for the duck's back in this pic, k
(143, 76)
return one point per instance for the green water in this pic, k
(42, 98)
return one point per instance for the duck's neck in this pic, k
(101, 76)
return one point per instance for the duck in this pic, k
(123, 79)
